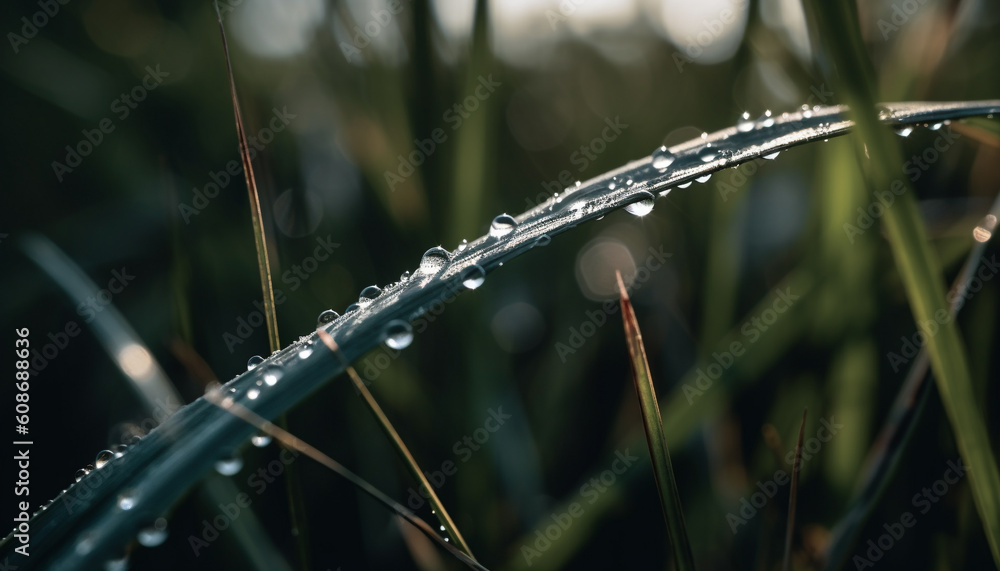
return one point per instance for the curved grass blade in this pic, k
(411, 463)
(793, 495)
(906, 410)
(666, 484)
(155, 390)
(228, 404)
(174, 456)
(917, 265)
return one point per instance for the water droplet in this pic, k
(326, 317)
(153, 535)
(502, 225)
(611, 186)
(543, 240)
(119, 450)
(662, 158)
(398, 334)
(665, 192)
(463, 245)
(442, 528)
(766, 120)
(629, 182)
(806, 111)
(904, 131)
(642, 207)
(305, 353)
(434, 260)
(708, 153)
(352, 307)
(934, 127)
(745, 124)
(229, 466)
(252, 362)
(103, 457)
(252, 394)
(127, 500)
(404, 276)
(260, 440)
(369, 294)
(473, 276)
(271, 375)
(772, 156)
(684, 184)
(704, 178)
(81, 474)
(446, 540)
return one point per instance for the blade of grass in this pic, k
(293, 480)
(922, 278)
(670, 499)
(157, 393)
(906, 410)
(793, 495)
(289, 440)
(397, 442)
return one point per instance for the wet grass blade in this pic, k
(670, 499)
(837, 24)
(218, 398)
(793, 494)
(397, 442)
(293, 480)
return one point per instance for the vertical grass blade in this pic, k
(397, 442)
(922, 278)
(670, 499)
(793, 494)
(293, 484)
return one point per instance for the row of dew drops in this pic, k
(398, 334)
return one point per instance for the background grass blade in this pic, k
(155, 390)
(670, 499)
(837, 23)
(400, 446)
(793, 495)
(293, 480)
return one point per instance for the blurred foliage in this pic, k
(550, 85)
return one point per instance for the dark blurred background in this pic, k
(388, 128)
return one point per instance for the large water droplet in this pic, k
(153, 535)
(260, 440)
(305, 353)
(934, 126)
(473, 276)
(229, 466)
(352, 307)
(433, 260)
(904, 131)
(662, 158)
(766, 120)
(81, 474)
(369, 293)
(252, 394)
(684, 184)
(463, 245)
(643, 206)
(404, 276)
(127, 500)
(103, 457)
(502, 225)
(398, 334)
(544, 240)
(252, 362)
(772, 156)
(745, 123)
(708, 153)
(326, 317)
(704, 178)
